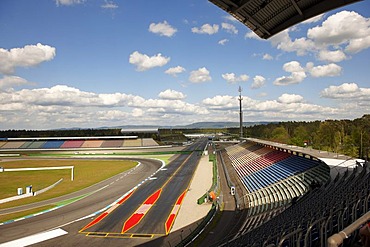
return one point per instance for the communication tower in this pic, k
(240, 112)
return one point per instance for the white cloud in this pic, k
(28, 56)
(230, 18)
(267, 56)
(144, 62)
(200, 75)
(206, 29)
(346, 91)
(109, 5)
(172, 106)
(221, 102)
(290, 98)
(258, 81)
(175, 70)
(314, 19)
(137, 112)
(223, 41)
(297, 74)
(229, 28)
(301, 46)
(252, 35)
(61, 95)
(290, 107)
(338, 36)
(293, 66)
(64, 106)
(339, 28)
(294, 78)
(324, 70)
(357, 45)
(232, 78)
(12, 81)
(171, 95)
(162, 28)
(332, 56)
(346, 27)
(68, 2)
(68, 106)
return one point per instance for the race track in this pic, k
(137, 217)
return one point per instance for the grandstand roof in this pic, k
(268, 17)
(139, 130)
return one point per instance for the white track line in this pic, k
(34, 239)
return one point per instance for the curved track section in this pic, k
(103, 195)
(132, 214)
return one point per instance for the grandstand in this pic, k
(272, 178)
(290, 198)
(75, 143)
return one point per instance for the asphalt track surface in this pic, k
(121, 226)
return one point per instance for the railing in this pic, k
(338, 238)
(194, 234)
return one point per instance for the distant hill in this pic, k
(220, 125)
(197, 125)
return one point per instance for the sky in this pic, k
(95, 63)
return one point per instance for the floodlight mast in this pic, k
(240, 112)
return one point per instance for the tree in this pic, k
(280, 134)
(300, 136)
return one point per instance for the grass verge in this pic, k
(7, 217)
(87, 173)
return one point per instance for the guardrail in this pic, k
(338, 238)
(194, 234)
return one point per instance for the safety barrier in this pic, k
(199, 229)
(338, 238)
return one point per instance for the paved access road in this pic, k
(139, 217)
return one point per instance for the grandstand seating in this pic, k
(273, 178)
(76, 143)
(313, 218)
(25, 144)
(13, 145)
(146, 142)
(72, 144)
(132, 143)
(112, 144)
(52, 144)
(36, 144)
(92, 144)
(291, 200)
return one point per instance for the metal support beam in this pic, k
(241, 6)
(296, 7)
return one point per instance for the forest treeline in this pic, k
(349, 137)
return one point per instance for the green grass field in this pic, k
(87, 172)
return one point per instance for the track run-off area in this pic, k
(135, 209)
